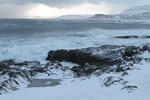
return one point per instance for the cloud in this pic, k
(12, 10)
(62, 3)
(55, 8)
(41, 10)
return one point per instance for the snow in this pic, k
(90, 88)
(136, 10)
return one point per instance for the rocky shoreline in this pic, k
(90, 61)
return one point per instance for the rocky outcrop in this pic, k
(106, 55)
(100, 58)
(12, 72)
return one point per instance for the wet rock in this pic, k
(146, 37)
(127, 37)
(133, 37)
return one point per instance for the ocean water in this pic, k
(32, 39)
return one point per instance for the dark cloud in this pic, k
(50, 2)
(20, 7)
(66, 3)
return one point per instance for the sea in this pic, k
(31, 39)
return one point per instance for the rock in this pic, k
(127, 37)
(130, 88)
(3, 67)
(8, 62)
(98, 58)
(131, 51)
(133, 37)
(107, 55)
(83, 56)
(145, 37)
(125, 73)
(61, 55)
(111, 80)
(84, 70)
(146, 47)
(120, 69)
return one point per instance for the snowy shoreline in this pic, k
(77, 81)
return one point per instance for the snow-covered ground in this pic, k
(91, 88)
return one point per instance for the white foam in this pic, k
(31, 49)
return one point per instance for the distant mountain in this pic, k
(75, 17)
(137, 10)
(103, 17)
(135, 13)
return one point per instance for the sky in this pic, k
(56, 8)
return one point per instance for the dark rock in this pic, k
(111, 80)
(130, 88)
(104, 55)
(61, 55)
(3, 67)
(84, 56)
(127, 37)
(125, 73)
(92, 59)
(146, 47)
(146, 37)
(119, 69)
(8, 62)
(131, 51)
(133, 37)
(84, 70)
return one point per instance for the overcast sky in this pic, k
(55, 8)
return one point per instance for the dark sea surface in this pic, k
(35, 27)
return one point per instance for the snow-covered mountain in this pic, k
(135, 13)
(139, 13)
(104, 17)
(137, 10)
